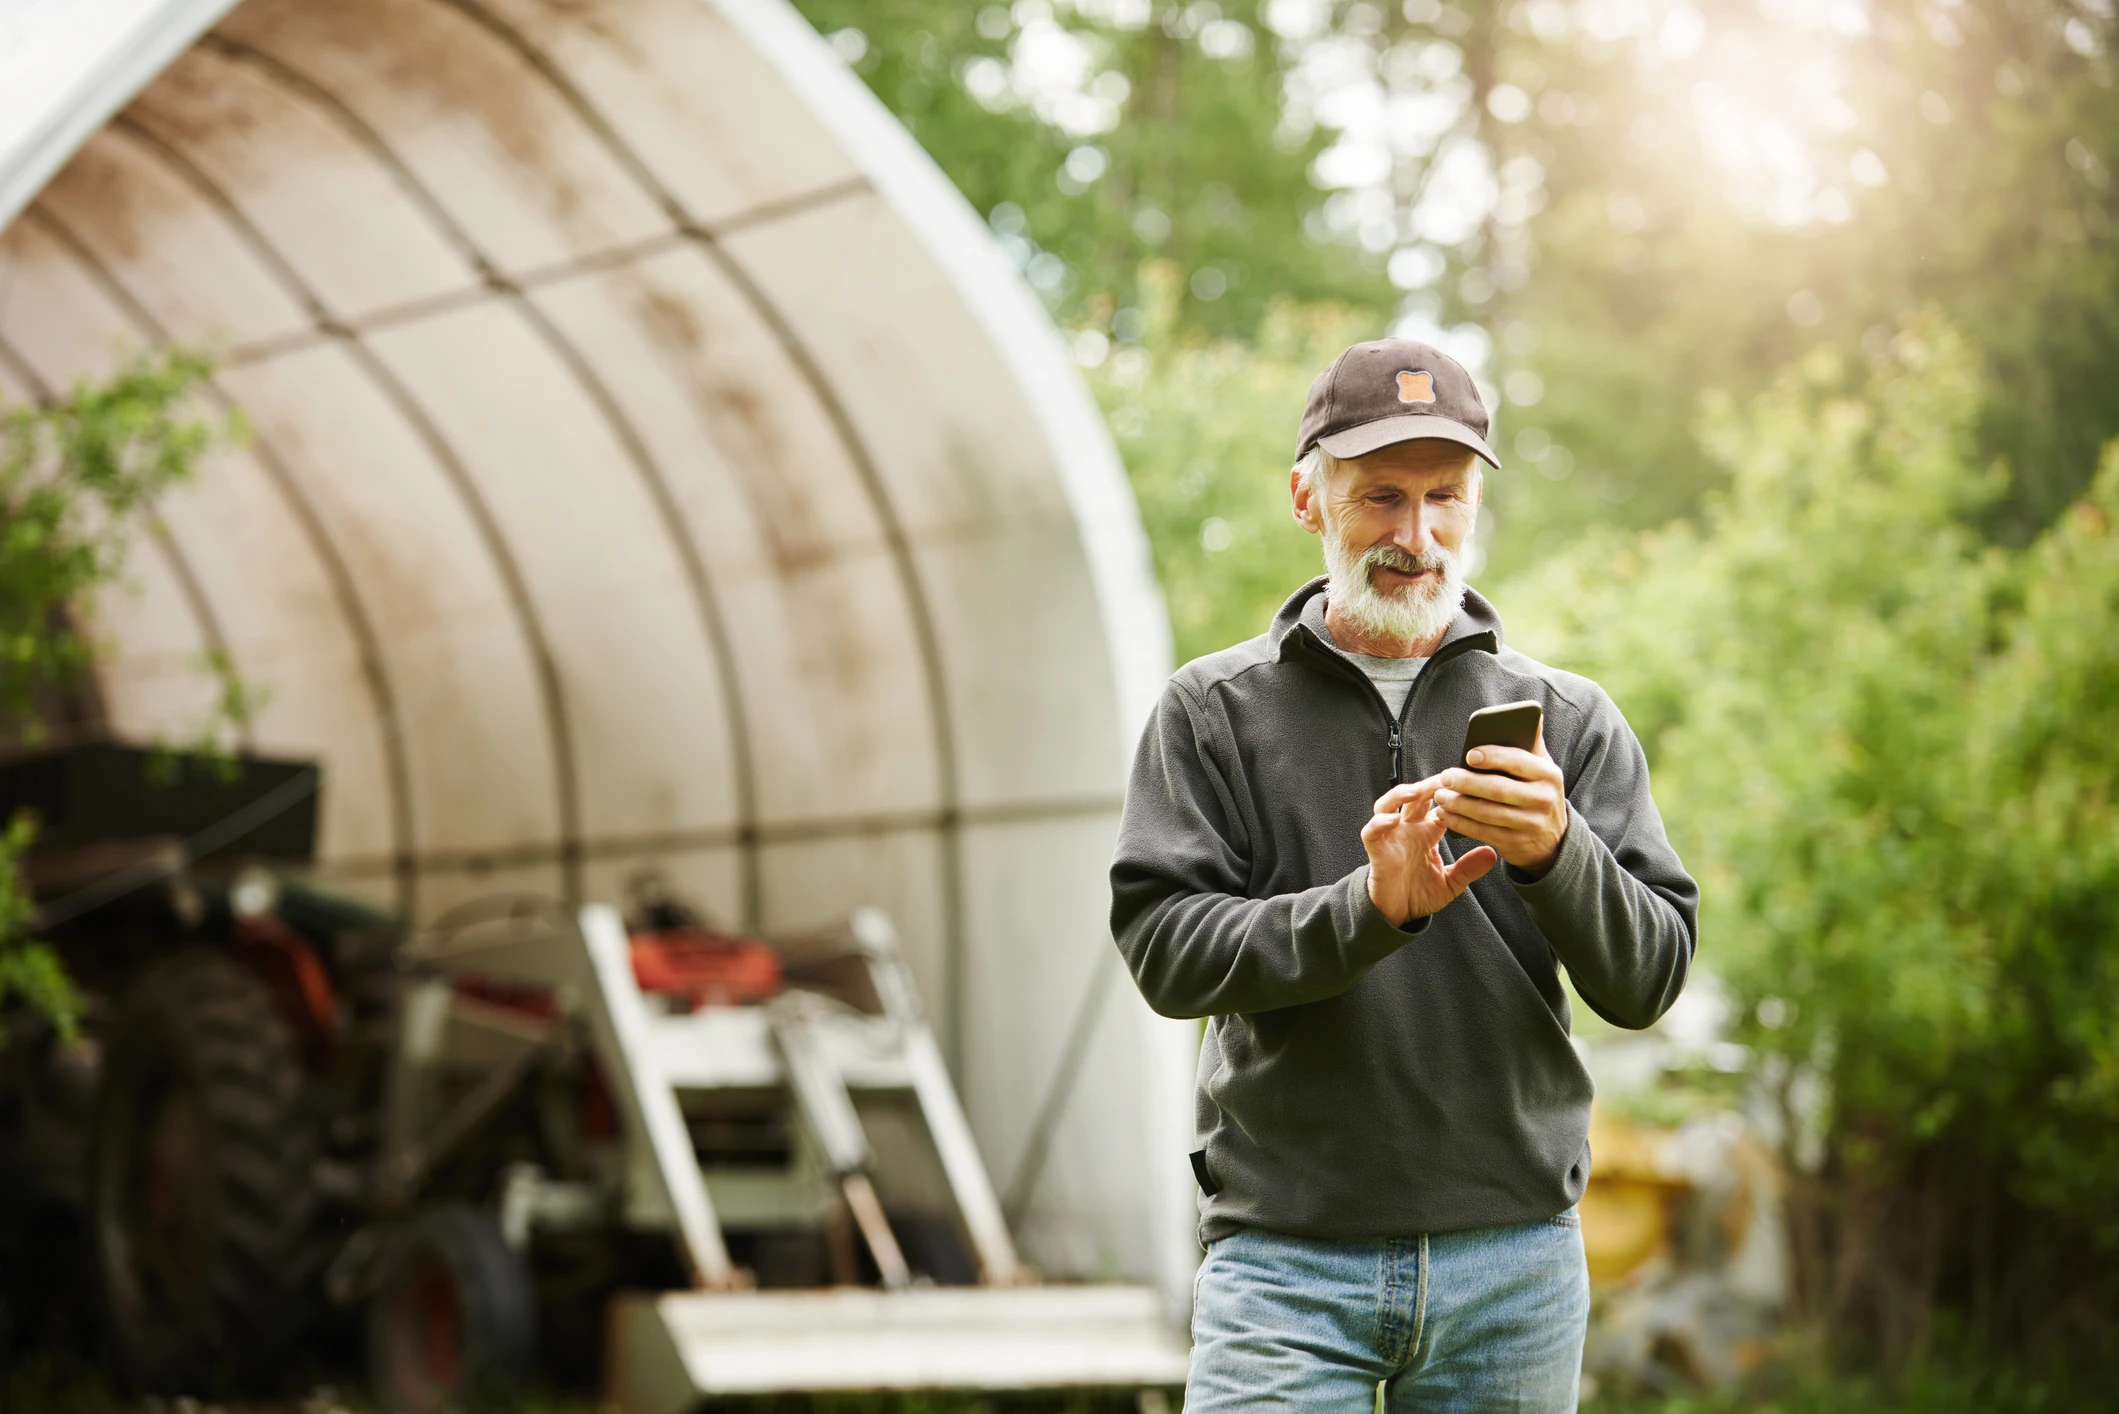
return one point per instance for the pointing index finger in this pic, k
(1413, 793)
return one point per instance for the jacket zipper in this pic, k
(1395, 726)
(1405, 713)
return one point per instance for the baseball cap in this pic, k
(1393, 390)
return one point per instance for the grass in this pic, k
(1935, 1390)
(61, 1385)
(54, 1384)
(47, 1384)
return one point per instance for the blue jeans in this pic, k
(1487, 1320)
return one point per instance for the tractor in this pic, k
(526, 1140)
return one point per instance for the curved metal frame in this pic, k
(918, 603)
(564, 766)
(893, 170)
(651, 475)
(122, 69)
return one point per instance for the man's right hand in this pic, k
(1407, 875)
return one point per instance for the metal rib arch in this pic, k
(446, 457)
(820, 387)
(705, 599)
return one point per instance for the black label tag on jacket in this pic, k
(1207, 1185)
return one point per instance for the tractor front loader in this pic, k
(840, 1048)
(526, 1142)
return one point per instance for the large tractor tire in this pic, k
(201, 1201)
(453, 1322)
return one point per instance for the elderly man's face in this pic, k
(1394, 525)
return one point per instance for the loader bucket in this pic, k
(671, 1350)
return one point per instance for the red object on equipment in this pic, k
(711, 969)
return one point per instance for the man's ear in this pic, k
(1304, 499)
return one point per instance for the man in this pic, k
(1393, 1121)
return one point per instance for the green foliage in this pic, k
(1190, 161)
(1995, 1389)
(29, 971)
(2046, 769)
(76, 475)
(1206, 425)
(1631, 205)
(72, 474)
(1950, 156)
(1862, 615)
(1877, 739)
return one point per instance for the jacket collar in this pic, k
(1298, 629)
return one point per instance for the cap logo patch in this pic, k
(1416, 387)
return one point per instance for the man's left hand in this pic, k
(1521, 812)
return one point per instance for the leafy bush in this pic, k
(1207, 429)
(1885, 745)
(76, 474)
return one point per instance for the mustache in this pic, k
(1390, 557)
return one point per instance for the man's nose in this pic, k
(1413, 534)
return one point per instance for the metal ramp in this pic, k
(668, 1350)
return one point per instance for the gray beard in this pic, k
(1413, 615)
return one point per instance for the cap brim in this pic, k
(1413, 427)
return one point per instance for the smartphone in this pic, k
(1510, 724)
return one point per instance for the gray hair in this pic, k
(1311, 464)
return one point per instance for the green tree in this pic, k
(1207, 427)
(1100, 136)
(1719, 188)
(1611, 209)
(1861, 612)
(76, 476)
(1881, 741)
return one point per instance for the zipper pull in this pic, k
(1395, 771)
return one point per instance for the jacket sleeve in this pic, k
(1617, 905)
(1196, 944)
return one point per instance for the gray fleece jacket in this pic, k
(1358, 1079)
